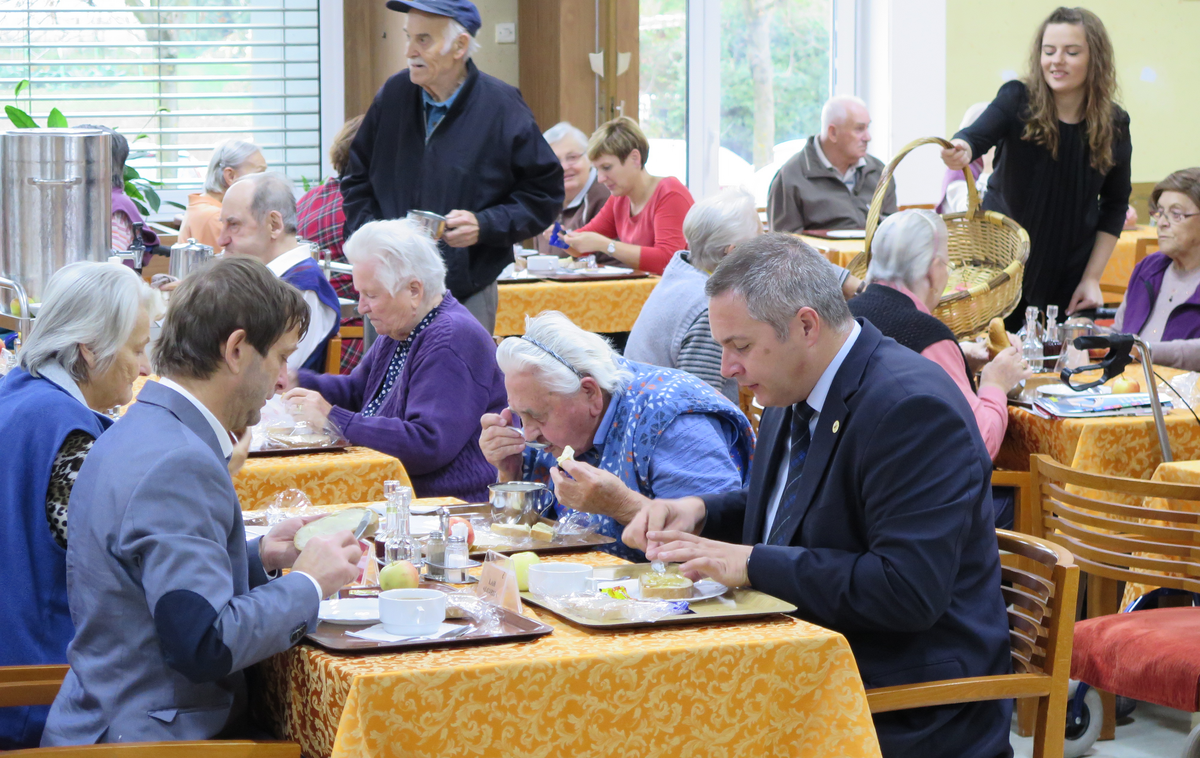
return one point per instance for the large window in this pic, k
(774, 71)
(174, 76)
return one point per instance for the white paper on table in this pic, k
(377, 634)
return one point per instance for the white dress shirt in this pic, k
(226, 441)
(815, 400)
(851, 177)
(320, 318)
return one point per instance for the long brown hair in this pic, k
(1100, 90)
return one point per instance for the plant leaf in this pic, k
(140, 136)
(20, 118)
(133, 192)
(152, 198)
(21, 86)
(56, 120)
(141, 208)
(180, 206)
(131, 173)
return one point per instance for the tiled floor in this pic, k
(1151, 732)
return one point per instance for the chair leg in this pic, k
(1026, 716)
(1050, 730)
(1109, 730)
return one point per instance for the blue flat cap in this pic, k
(462, 11)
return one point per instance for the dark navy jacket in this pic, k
(896, 546)
(487, 156)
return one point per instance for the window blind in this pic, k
(187, 74)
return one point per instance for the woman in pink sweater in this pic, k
(641, 225)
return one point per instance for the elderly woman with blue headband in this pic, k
(909, 270)
(627, 427)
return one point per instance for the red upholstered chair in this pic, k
(1130, 530)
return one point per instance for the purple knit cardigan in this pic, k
(430, 419)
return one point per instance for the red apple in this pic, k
(470, 529)
(1123, 386)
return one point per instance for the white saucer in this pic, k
(846, 234)
(704, 589)
(351, 610)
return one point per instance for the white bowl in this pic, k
(557, 579)
(412, 613)
(543, 263)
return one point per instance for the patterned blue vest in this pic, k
(652, 400)
(307, 276)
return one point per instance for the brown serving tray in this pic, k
(747, 604)
(334, 448)
(334, 637)
(569, 545)
(594, 277)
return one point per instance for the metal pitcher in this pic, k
(433, 224)
(519, 502)
(188, 256)
(55, 202)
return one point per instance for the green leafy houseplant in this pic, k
(139, 189)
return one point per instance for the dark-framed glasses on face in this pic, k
(1173, 215)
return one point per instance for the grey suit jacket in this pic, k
(168, 600)
(807, 195)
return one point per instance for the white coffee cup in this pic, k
(412, 613)
(557, 579)
(542, 263)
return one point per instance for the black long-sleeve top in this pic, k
(1062, 203)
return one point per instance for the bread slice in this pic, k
(665, 586)
(542, 532)
(514, 531)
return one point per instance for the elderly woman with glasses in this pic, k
(85, 350)
(627, 427)
(1162, 303)
(672, 329)
(230, 161)
(420, 390)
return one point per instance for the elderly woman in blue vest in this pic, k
(672, 329)
(86, 348)
(633, 427)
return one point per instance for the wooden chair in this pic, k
(752, 409)
(1155, 541)
(333, 354)
(1042, 585)
(38, 685)
(1023, 484)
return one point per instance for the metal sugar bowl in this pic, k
(187, 256)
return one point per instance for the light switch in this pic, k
(506, 34)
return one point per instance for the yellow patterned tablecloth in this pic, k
(355, 475)
(773, 686)
(1178, 472)
(607, 306)
(840, 252)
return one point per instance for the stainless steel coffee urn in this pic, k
(55, 202)
(188, 256)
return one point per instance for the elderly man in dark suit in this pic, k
(869, 504)
(441, 136)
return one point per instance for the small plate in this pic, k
(846, 234)
(353, 610)
(704, 589)
(1062, 390)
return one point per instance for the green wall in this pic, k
(1154, 39)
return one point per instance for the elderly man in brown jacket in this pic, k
(829, 184)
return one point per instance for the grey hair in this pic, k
(564, 129)
(777, 274)
(588, 353)
(453, 29)
(228, 154)
(404, 252)
(906, 245)
(835, 110)
(93, 305)
(272, 192)
(729, 217)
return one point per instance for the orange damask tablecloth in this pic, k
(840, 252)
(605, 306)
(773, 686)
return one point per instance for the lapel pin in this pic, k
(836, 426)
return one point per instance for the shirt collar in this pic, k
(429, 101)
(583, 192)
(826, 163)
(816, 398)
(57, 375)
(284, 263)
(606, 422)
(219, 430)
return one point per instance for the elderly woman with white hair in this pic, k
(584, 195)
(420, 390)
(86, 348)
(909, 270)
(672, 329)
(230, 161)
(631, 428)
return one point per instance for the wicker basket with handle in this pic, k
(988, 252)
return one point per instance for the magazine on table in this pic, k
(1093, 406)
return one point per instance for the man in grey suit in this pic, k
(170, 602)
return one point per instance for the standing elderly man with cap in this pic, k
(830, 183)
(444, 137)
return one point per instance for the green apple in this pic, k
(521, 563)
(401, 575)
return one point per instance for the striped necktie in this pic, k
(801, 437)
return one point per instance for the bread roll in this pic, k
(997, 338)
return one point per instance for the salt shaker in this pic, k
(456, 547)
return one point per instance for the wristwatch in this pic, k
(612, 247)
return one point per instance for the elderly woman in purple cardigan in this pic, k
(420, 390)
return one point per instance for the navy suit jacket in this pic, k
(895, 547)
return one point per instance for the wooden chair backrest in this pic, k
(30, 685)
(207, 749)
(1155, 540)
(752, 410)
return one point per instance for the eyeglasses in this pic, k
(572, 158)
(1174, 215)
